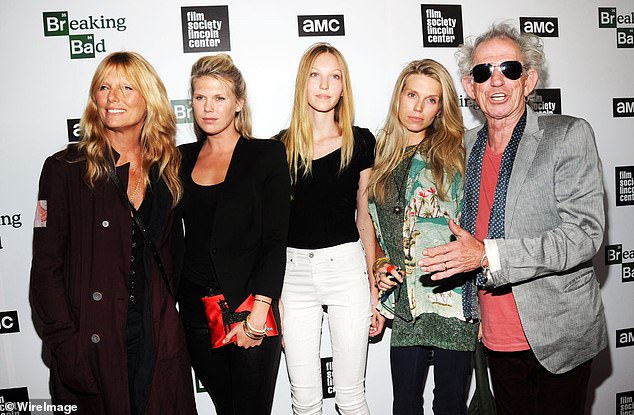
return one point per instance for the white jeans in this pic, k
(335, 277)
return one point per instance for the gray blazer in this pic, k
(554, 223)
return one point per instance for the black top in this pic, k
(137, 275)
(324, 203)
(199, 211)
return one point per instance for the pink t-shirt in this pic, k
(501, 327)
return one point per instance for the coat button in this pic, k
(214, 251)
(311, 255)
(105, 223)
(97, 296)
(95, 338)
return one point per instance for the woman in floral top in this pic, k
(415, 188)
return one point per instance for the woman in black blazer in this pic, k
(235, 211)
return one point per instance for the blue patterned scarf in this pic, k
(472, 194)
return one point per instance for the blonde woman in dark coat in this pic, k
(108, 317)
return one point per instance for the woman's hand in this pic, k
(256, 320)
(242, 340)
(377, 322)
(387, 277)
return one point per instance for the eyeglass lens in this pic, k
(510, 69)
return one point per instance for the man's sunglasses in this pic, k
(511, 69)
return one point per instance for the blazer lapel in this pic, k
(523, 161)
(234, 179)
(233, 172)
(189, 158)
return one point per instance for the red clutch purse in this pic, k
(221, 320)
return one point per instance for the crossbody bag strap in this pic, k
(139, 223)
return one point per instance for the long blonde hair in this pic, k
(158, 143)
(442, 145)
(222, 68)
(299, 136)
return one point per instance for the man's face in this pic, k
(499, 97)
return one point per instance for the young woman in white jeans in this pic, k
(330, 162)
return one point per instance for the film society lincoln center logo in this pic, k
(611, 18)
(80, 32)
(544, 101)
(624, 182)
(205, 29)
(625, 403)
(10, 397)
(442, 25)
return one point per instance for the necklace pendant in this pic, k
(397, 210)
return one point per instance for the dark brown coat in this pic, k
(79, 289)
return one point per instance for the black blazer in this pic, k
(248, 242)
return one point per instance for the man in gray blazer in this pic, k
(532, 221)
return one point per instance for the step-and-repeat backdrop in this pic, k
(49, 51)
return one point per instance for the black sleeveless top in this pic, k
(199, 211)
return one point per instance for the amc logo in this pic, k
(321, 25)
(9, 322)
(625, 337)
(622, 107)
(541, 26)
(72, 128)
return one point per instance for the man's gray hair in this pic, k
(531, 47)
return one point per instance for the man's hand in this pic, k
(462, 255)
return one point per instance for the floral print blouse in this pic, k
(411, 218)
